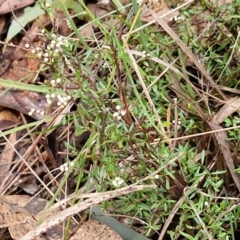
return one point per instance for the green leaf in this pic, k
(28, 87)
(30, 14)
(125, 232)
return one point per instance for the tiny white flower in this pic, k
(62, 169)
(45, 54)
(60, 38)
(33, 51)
(53, 95)
(115, 114)
(139, 2)
(56, 51)
(106, 109)
(53, 35)
(206, 203)
(117, 182)
(118, 107)
(123, 112)
(53, 42)
(45, 59)
(53, 83)
(47, 96)
(58, 80)
(156, 176)
(37, 111)
(30, 113)
(39, 54)
(71, 164)
(58, 45)
(119, 117)
(27, 45)
(61, 99)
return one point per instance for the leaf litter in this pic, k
(19, 216)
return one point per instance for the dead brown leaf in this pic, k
(25, 208)
(8, 119)
(18, 220)
(24, 66)
(6, 157)
(5, 62)
(160, 8)
(88, 30)
(19, 200)
(7, 6)
(94, 230)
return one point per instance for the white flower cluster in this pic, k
(68, 24)
(120, 112)
(117, 182)
(178, 122)
(144, 54)
(37, 111)
(62, 100)
(65, 166)
(176, 18)
(50, 98)
(54, 83)
(52, 50)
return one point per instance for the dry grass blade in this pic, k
(81, 207)
(225, 149)
(231, 106)
(145, 90)
(170, 217)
